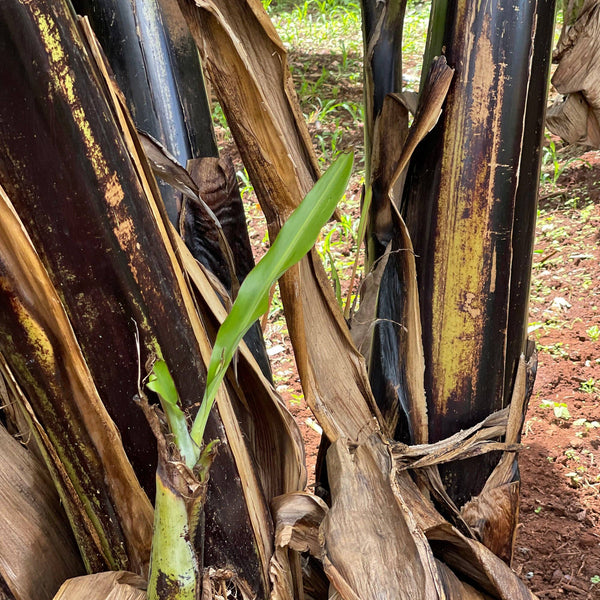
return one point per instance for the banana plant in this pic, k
(98, 286)
(174, 568)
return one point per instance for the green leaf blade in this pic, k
(295, 239)
(161, 382)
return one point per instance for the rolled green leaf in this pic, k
(162, 383)
(173, 563)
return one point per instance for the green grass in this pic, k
(318, 26)
(325, 54)
(593, 333)
(337, 248)
(324, 42)
(413, 42)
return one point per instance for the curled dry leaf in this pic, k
(239, 44)
(113, 585)
(493, 514)
(576, 118)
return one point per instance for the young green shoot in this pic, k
(560, 409)
(295, 239)
(161, 382)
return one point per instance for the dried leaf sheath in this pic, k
(396, 367)
(465, 176)
(275, 146)
(364, 507)
(63, 202)
(32, 526)
(103, 241)
(38, 343)
(118, 585)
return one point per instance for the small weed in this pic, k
(276, 311)
(550, 159)
(594, 333)
(334, 250)
(560, 409)
(570, 454)
(329, 145)
(575, 480)
(586, 425)
(245, 185)
(537, 510)
(587, 281)
(554, 350)
(586, 213)
(589, 386)
(296, 399)
(573, 202)
(322, 110)
(219, 116)
(595, 579)
(301, 11)
(534, 326)
(344, 55)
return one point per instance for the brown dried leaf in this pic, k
(298, 517)
(168, 169)
(494, 513)
(372, 544)
(37, 549)
(112, 585)
(472, 561)
(577, 118)
(429, 110)
(573, 120)
(469, 559)
(247, 66)
(363, 320)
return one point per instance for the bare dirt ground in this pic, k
(558, 541)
